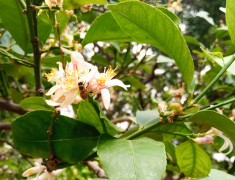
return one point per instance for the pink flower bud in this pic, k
(204, 140)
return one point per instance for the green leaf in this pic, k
(218, 175)
(172, 131)
(134, 82)
(132, 159)
(218, 58)
(147, 117)
(191, 40)
(205, 15)
(16, 23)
(230, 18)
(149, 25)
(44, 26)
(106, 29)
(72, 140)
(52, 61)
(221, 32)
(193, 160)
(74, 4)
(171, 15)
(88, 114)
(170, 149)
(216, 120)
(37, 103)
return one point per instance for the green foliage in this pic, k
(90, 113)
(154, 27)
(145, 118)
(37, 103)
(135, 159)
(192, 160)
(16, 23)
(216, 120)
(72, 140)
(73, 4)
(230, 18)
(106, 29)
(217, 175)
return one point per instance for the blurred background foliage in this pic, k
(152, 75)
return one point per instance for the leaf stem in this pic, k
(22, 3)
(32, 21)
(209, 108)
(61, 52)
(213, 81)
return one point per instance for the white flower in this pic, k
(209, 139)
(101, 83)
(37, 169)
(66, 89)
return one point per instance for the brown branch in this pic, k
(5, 126)
(122, 119)
(8, 105)
(92, 165)
(5, 141)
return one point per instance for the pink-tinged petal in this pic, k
(204, 140)
(70, 97)
(52, 103)
(76, 57)
(116, 82)
(52, 90)
(105, 98)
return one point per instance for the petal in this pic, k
(52, 90)
(69, 98)
(57, 172)
(105, 98)
(227, 143)
(52, 103)
(116, 82)
(76, 57)
(59, 92)
(31, 171)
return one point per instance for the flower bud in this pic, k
(177, 108)
(162, 106)
(86, 8)
(204, 140)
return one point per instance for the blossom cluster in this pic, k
(78, 79)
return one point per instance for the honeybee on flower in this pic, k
(80, 77)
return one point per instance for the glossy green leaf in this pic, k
(147, 117)
(88, 114)
(106, 29)
(170, 14)
(221, 32)
(230, 18)
(72, 140)
(149, 25)
(193, 160)
(16, 23)
(218, 175)
(74, 4)
(170, 149)
(132, 159)
(171, 131)
(216, 120)
(191, 40)
(205, 15)
(44, 26)
(37, 103)
(219, 59)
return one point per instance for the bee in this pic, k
(82, 90)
